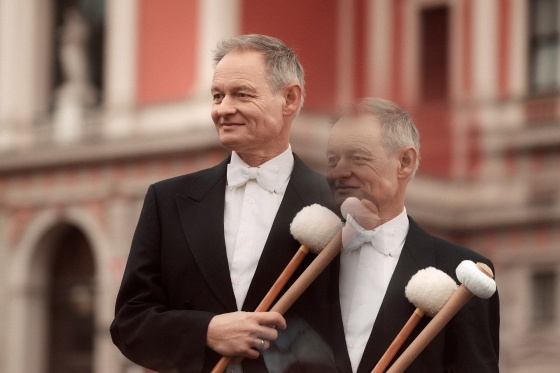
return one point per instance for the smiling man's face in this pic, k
(358, 165)
(246, 112)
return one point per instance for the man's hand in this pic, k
(240, 333)
(364, 212)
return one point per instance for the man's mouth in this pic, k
(345, 187)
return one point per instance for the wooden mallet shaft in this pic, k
(399, 340)
(453, 305)
(314, 269)
(270, 296)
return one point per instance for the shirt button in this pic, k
(360, 302)
(245, 239)
(237, 281)
(251, 201)
(366, 264)
(352, 344)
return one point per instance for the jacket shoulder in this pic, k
(449, 254)
(187, 182)
(311, 183)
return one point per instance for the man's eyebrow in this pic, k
(236, 88)
(358, 150)
(243, 87)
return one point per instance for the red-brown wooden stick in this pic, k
(222, 364)
(453, 305)
(270, 296)
(310, 274)
(398, 341)
(282, 279)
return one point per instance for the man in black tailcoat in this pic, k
(209, 245)
(373, 152)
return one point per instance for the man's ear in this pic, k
(292, 97)
(407, 161)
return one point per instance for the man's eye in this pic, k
(242, 95)
(217, 96)
(332, 161)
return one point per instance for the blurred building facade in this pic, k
(100, 98)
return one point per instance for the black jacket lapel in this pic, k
(338, 338)
(201, 211)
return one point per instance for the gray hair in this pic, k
(397, 127)
(282, 64)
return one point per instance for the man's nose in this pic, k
(227, 107)
(340, 171)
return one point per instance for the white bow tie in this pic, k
(354, 236)
(238, 175)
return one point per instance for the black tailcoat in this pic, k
(468, 344)
(177, 276)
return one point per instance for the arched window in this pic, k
(71, 305)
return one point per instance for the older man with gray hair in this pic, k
(209, 245)
(373, 152)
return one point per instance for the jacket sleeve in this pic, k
(145, 329)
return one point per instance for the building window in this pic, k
(435, 46)
(544, 296)
(544, 46)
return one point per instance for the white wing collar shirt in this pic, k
(367, 262)
(252, 198)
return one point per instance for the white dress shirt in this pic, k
(248, 216)
(365, 273)
(249, 212)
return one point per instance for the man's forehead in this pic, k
(239, 69)
(357, 119)
(354, 132)
(352, 125)
(247, 57)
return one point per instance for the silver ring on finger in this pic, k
(261, 346)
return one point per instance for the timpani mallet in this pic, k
(476, 279)
(313, 227)
(428, 290)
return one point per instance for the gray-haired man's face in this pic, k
(358, 165)
(246, 112)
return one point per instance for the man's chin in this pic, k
(340, 195)
(231, 141)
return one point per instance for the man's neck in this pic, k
(390, 213)
(255, 160)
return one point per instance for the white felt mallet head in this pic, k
(314, 226)
(477, 278)
(429, 289)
